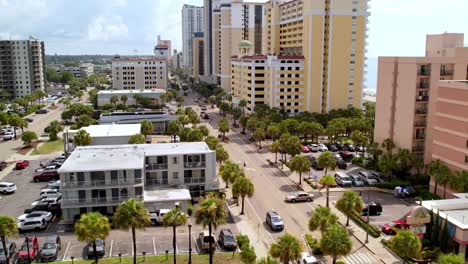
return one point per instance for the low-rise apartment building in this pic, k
(160, 119)
(99, 178)
(104, 96)
(108, 134)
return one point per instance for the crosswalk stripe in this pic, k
(360, 258)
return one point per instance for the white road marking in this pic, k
(110, 250)
(154, 246)
(259, 219)
(196, 244)
(66, 250)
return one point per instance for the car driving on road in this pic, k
(274, 220)
(299, 196)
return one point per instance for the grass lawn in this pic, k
(225, 258)
(49, 147)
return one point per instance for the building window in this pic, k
(466, 159)
(174, 160)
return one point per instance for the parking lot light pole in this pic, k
(72, 258)
(368, 207)
(190, 243)
(144, 255)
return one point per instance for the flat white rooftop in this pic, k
(121, 157)
(455, 210)
(111, 130)
(166, 195)
(145, 91)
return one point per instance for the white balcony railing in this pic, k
(111, 183)
(102, 201)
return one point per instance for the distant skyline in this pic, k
(396, 27)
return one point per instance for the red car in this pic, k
(33, 245)
(392, 228)
(47, 175)
(21, 164)
(305, 149)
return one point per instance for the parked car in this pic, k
(357, 182)
(307, 258)
(8, 135)
(378, 175)
(100, 248)
(322, 147)
(274, 220)
(29, 120)
(314, 147)
(157, 216)
(21, 164)
(299, 196)
(61, 156)
(394, 227)
(12, 254)
(54, 208)
(349, 147)
(226, 240)
(50, 249)
(203, 107)
(42, 111)
(51, 184)
(346, 156)
(405, 192)
(47, 129)
(205, 239)
(338, 145)
(35, 223)
(32, 244)
(7, 187)
(367, 178)
(342, 179)
(49, 200)
(341, 164)
(46, 175)
(47, 216)
(305, 149)
(372, 208)
(314, 163)
(3, 165)
(205, 116)
(50, 193)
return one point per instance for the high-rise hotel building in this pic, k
(192, 22)
(22, 66)
(314, 52)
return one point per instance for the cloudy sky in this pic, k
(397, 27)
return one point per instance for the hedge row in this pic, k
(373, 230)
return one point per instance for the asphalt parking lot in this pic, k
(154, 240)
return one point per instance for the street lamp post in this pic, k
(190, 243)
(368, 207)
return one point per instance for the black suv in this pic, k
(340, 163)
(226, 240)
(374, 209)
(314, 163)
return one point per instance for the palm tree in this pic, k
(387, 164)
(223, 126)
(243, 121)
(273, 131)
(230, 171)
(287, 249)
(133, 215)
(326, 161)
(124, 99)
(147, 127)
(221, 154)
(322, 218)
(327, 181)
(336, 242)
(7, 229)
(243, 187)
(114, 99)
(212, 213)
(349, 203)
(299, 164)
(440, 172)
(267, 260)
(259, 135)
(90, 227)
(389, 145)
(174, 218)
(82, 138)
(242, 105)
(275, 147)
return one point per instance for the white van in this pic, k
(342, 179)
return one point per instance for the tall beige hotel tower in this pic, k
(299, 55)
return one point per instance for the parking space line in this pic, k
(110, 250)
(66, 251)
(154, 246)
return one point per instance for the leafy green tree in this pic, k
(7, 230)
(243, 121)
(267, 260)
(236, 114)
(444, 237)
(349, 203)
(194, 135)
(287, 249)
(322, 218)
(293, 146)
(173, 128)
(259, 135)
(299, 164)
(14, 121)
(179, 100)
(387, 164)
(212, 100)
(84, 121)
(242, 187)
(326, 161)
(54, 128)
(174, 218)
(137, 139)
(147, 127)
(194, 119)
(3, 118)
(327, 181)
(252, 124)
(211, 212)
(275, 148)
(230, 171)
(459, 181)
(221, 154)
(336, 242)
(451, 258)
(374, 150)
(124, 99)
(82, 138)
(28, 137)
(405, 161)
(359, 138)
(224, 108)
(66, 77)
(273, 131)
(22, 124)
(131, 214)
(183, 120)
(440, 172)
(242, 105)
(90, 227)
(204, 130)
(212, 142)
(223, 126)
(406, 244)
(389, 145)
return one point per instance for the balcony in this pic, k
(190, 180)
(420, 136)
(100, 184)
(194, 164)
(418, 148)
(423, 85)
(156, 166)
(446, 72)
(424, 72)
(420, 123)
(422, 98)
(102, 201)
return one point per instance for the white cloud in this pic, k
(117, 3)
(106, 28)
(9, 35)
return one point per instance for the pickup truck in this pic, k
(299, 197)
(156, 217)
